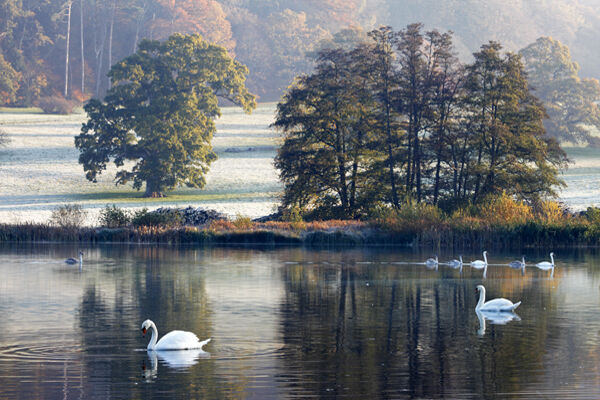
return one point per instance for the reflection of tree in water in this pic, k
(368, 333)
(164, 286)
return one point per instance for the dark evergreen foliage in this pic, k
(399, 118)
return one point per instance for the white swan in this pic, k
(456, 263)
(174, 340)
(480, 264)
(432, 261)
(72, 260)
(495, 305)
(545, 265)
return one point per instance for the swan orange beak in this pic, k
(144, 331)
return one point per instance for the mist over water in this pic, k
(582, 179)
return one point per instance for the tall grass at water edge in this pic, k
(500, 223)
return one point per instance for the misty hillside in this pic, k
(514, 23)
(271, 37)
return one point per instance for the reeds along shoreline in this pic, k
(329, 233)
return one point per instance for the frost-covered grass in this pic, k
(39, 169)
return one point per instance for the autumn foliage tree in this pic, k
(159, 115)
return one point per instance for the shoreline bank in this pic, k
(354, 234)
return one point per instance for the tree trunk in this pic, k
(110, 39)
(138, 26)
(98, 49)
(82, 48)
(153, 189)
(390, 149)
(66, 92)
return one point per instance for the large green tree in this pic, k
(157, 121)
(510, 150)
(571, 101)
(400, 116)
(326, 119)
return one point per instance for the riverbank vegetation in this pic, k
(497, 223)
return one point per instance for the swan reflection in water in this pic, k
(496, 318)
(175, 359)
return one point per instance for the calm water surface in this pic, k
(293, 323)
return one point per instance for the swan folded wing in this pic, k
(179, 340)
(500, 305)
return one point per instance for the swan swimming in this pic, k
(545, 265)
(432, 262)
(495, 305)
(456, 263)
(72, 260)
(480, 264)
(517, 264)
(174, 340)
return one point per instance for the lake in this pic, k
(294, 323)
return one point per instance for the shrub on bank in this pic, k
(172, 218)
(69, 216)
(501, 223)
(114, 217)
(504, 211)
(410, 218)
(242, 222)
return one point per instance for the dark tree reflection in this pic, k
(373, 332)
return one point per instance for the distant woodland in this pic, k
(271, 37)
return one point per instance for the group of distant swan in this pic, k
(482, 264)
(499, 310)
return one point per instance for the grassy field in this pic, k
(39, 169)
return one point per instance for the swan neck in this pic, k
(481, 298)
(485, 257)
(154, 337)
(80, 259)
(552, 258)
